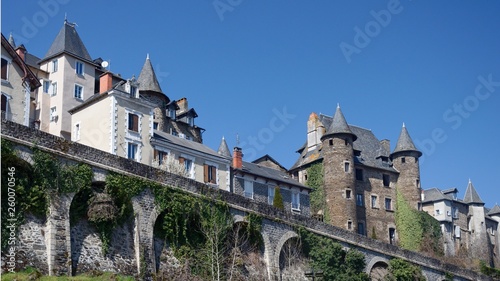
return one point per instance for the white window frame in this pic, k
(82, 71)
(77, 131)
(374, 204)
(191, 171)
(271, 192)
(171, 113)
(54, 89)
(296, 200)
(136, 156)
(248, 191)
(55, 65)
(81, 91)
(9, 62)
(53, 114)
(46, 90)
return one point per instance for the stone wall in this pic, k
(278, 225)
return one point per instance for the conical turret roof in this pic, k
(11, 41)
(339, 125)
(405, 143)
(471, 195)
(224, 149)
(494, 211)
(147, 79)
(68, 41)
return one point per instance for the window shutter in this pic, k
(214, 175)
(155, 155)
(205, 173)
(136, 123)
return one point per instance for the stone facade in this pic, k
(278, 226)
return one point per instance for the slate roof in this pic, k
(32, 60)
(369, 150)
(269, 173)
(224, 149)
(147, 79)
(266, 158)
(494, 211)
(471, 195)
(338, 125)
(434, 194)
(68, 41)
(192, 145)
(405, 143)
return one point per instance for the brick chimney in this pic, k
(237, 158)
(183, 105)
(21, 51)
(105, 82)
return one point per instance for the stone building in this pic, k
(18, 84)
(360, 174)
(465, 223)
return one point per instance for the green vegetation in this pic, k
(318, 196)
(401, 270)
(278, 199)
(418, 231)
(33, 274)
(329, 257)
(490, 271)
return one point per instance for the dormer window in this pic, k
(190, 120)
(133, 91)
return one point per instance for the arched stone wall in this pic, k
(377, 268)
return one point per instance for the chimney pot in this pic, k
(237, 158)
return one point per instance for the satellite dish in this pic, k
(104, 64)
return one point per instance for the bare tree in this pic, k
(171, 165)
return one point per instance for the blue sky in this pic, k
(257, 69)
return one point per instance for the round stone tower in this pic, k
(405, 160)
(339, 178)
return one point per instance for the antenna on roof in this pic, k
(237, 140)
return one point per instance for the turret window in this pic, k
(330, 142)
(349, 225)
(359, 174)
(361, 228)
(359, 200)
(348, 194)
(386, 179)
(388, 204)
(346, 167)
(403, 160)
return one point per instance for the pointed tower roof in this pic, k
(405, 143)
(224, 149)
(11, 41)
(339, 125)
(68, 41)
(471, 196)
(494, 211)
(147, 79)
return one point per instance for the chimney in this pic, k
(21, 51)
(386, 145)
(105, 82)
(183, 105)
(237, 158)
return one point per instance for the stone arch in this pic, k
(287, 237)
(377, 268)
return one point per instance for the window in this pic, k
(132, 151)
(348, 194)
(330, 142)
(374, 201)
(171, 113)
(77, 132)
(133, 122)
(55, 65)
(359, 174)
(160, 156)
(359, 199)
(188, 166)
(5, 69)
(155, 125)
(457, 231)
(403, 160)
(438, 212)
(270, 195)
(349, 225)
(53, 114)
(295, 200)
(248, 189)
(386, 179)
(174, 132)
(392, 235)
(5, 106)
(190, 120)
(210, 174)
(54, 89)
(46, 86)
(361, 228)
(78, 92)
(79, 68)
(388, 204)
(346, 167)
(417, 182)
(133, 91)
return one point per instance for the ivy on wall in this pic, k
(401, 270)
(417, 230)
(318, 196)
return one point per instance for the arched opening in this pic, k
(378, 271)
(291, 260)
